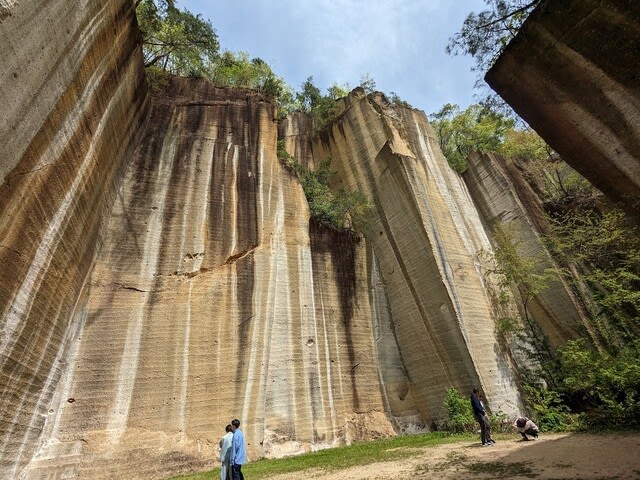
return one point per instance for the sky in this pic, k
(399, 43)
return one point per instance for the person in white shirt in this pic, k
(225, 454)
(526, 427)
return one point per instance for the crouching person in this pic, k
(526, 427)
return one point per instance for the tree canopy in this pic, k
(461, 132)
(485, 34)
(174, 40)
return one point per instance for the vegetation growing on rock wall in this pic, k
(177, 42)
(336, 208)
(459, 413)
(607, 247)
(597, 377)
(484, 35)
(460, 416)
(321, 107)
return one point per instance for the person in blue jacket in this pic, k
(238, 451)
(481, 416)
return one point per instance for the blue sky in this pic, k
(398, 43)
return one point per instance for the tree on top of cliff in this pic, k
(321, 107)
(485, 35)
(180, 43)
(476, 129)
(174, 40)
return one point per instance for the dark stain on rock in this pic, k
(341, 247)
(245, 271)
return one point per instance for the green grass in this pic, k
(341, 457)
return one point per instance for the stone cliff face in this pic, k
(161, 274)
(572, 74)
(73, 94)
(505, 199)
(434, 315)
(212, 299)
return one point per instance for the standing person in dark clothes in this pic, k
(238, 451)
(481, 416)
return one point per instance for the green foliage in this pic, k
(587, 387)
(395, 99)
(485, 34)
(607, 247)
(500, 422)
(321, 107)
(549, 410)
(459, 412)
(338, 209)
(177, 42)
(514, 268)
(603, 386)
(462, 132)
(525, 144)
(367, 83)
(507, 326)
(174, 40)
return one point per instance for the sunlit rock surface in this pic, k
(572, 74)
(6, 7)
(73, 92)
(433, 315)
(213, 298)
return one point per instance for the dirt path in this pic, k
(552, 457)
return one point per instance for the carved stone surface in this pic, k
(425, 240)
(505, 199)
(73, 95)
(212, 298)
(572, 74)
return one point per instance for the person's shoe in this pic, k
(486, 444)
(492, 442)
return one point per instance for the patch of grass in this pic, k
(340, 458)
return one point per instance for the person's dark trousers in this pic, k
(483, 429)
(531, 431)
(236, 472)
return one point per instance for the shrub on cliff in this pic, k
(334, 207)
